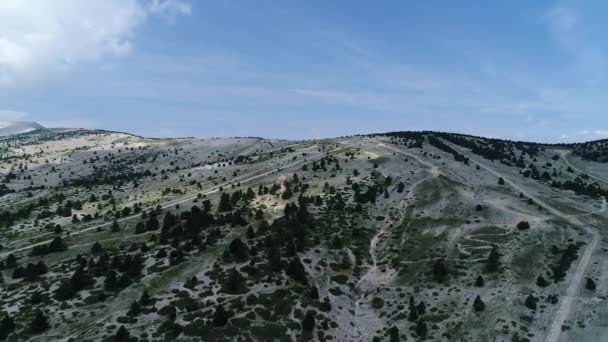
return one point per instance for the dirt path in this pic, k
(167, 204)
(565, 153)
(576, 279)
(403, 204)
(434, 169)
(573, 288)
(245, 178)
(372, 278)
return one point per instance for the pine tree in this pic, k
(314, 293)
(276, 264)
(145, 299)
(11, 261)
(288, 193)
(36, 298)
(493, 262)
(96, 248)
(530, 302)
(308, 323)
(57, 245)
(421, 329)
(40, 268)
(238, 249)
(111, 282)
(413, 314)
(440, 271)
(234, 283)
(7, 326)
(421, 308)
(64, 291)
(541, 282)
(140, 228)
(590, 284)
(220, 316)
(39, 323)
(122, 335)
(478, 304)
(135, 309)
(115, 227)
(250, 233)
(80, 279)
(479, 282)
(325, 306)
(225, 203)
(393, 334)
(152, 223)
(169, 221)
(191, 282)
(296, 270)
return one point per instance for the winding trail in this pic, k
(580, 268)
(565, 153)
(373, 278)
(576, 279)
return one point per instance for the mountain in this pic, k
(382, 237)
(18, 127)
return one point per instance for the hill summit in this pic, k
(18, 127)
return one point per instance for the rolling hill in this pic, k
(382, 237)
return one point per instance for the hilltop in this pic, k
(18, 127)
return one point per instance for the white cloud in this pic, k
(170, 8)
(11, 115)
(40, 40)
(568, 29)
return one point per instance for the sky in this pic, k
(525, 70)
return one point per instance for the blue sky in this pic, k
(531, 70)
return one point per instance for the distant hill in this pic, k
(18, 127)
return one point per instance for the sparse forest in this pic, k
(384, 237)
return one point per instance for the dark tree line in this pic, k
(459, 157)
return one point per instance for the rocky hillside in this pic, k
(396, 236)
